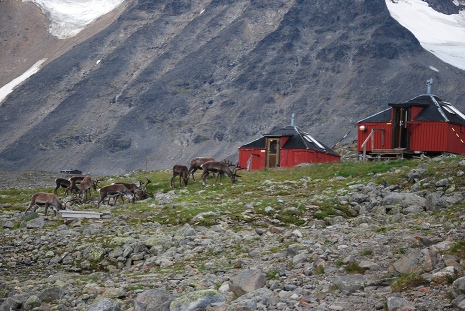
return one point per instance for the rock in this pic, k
(300, 258)
(458, 287)
(105, 304)
(10, 304)
(399, 304)
(417, 261)
(247, 281)
(369, 264)
(93, 252)
(35, 223)
(447, 271)
(349, 283)
(251, 301)
(51, 294)
(8, 224)
(416, 174)
(404, 199)
(153, 300)
(32, 302)
(196, 301)
(442, 183)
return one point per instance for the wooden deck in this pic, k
(386, 154)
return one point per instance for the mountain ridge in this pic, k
(169, 81)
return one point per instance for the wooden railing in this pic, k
(372, 136)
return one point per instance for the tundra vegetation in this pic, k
(274, 201)
(310, 189)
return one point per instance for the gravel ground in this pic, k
(29, 179)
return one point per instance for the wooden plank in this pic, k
(388, 151)
(80, 214)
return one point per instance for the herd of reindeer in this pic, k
(131, 190)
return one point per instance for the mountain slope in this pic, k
(167, 81)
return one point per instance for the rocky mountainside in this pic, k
(159, 82)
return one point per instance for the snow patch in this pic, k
(9, 87)
(441, 34)
(68, 17)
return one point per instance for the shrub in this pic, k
(408, 280)
(354, 267)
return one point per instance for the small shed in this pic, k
(422, 125)
(286, 147)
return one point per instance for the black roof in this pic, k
(298, 139)
(383, 116)
(435, 109)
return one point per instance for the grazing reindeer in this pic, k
(196, 164)
(86, 184)
(220, 168)
(183, 172)
(115, 198)
(45, 199)
(136, 190)
(229, 163)
(114, 190)
(142, 190)
(63, 183)
(75, 180)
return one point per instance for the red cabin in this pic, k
(286, 147)
(422, 125)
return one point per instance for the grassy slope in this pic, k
(279, 196)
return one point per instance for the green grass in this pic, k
(283, 194)
(272, 274)
(366, 252)
(319, 270)
(354, 268)
(408, 281)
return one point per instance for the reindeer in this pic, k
(229, 163)
(63, 183)
(220, 168)
(86, 184)
(45, 199)
(114, 197)
(140, 190)
(183, 173)
(75, 180)
(114, 190)
(196, 164)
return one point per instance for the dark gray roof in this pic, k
(383, 116)
(434, 109)
(298, 139)
(255, 144)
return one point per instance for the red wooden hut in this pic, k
(422, 125)
(286, 147)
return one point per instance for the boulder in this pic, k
(247, 281)
(153, 300)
